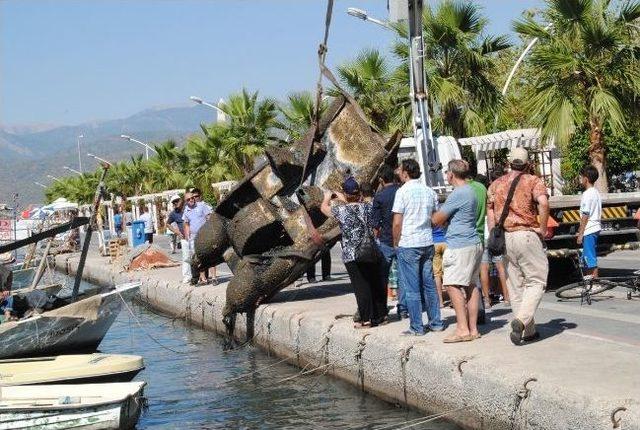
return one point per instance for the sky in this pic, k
(66, 62)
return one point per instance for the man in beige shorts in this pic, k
(461, 259)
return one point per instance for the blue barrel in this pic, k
(137, 233)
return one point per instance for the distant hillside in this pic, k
(30, 156)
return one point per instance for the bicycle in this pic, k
(589, 286)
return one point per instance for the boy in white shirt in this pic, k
(591, 211)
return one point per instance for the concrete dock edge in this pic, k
(405, 371)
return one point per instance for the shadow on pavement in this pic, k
(553, 327)
(313, 291)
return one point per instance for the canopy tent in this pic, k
(547, 158)
(526, 137)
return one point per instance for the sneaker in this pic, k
(517, 328)
(328, 279)
(312, 281)
(434, 329)
(403, 315)
(532, 338)
(411, 333)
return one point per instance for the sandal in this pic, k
(457, 339)
(475, 336)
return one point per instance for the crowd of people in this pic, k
(403, 242)
(183, 222)
(447, 248)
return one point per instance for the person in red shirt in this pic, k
(525, 228)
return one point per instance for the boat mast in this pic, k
(90, 228)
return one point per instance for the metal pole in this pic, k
(15, 223)
(79, 157)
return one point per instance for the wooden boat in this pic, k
(70, 369)
(23, 278)
(85, 406)
(72, 326)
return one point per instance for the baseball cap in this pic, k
(174, 198)
(350, 185)
(518, 155)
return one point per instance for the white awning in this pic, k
(525, 137)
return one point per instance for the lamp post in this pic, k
(147, 147)
(222, 116)
(53, 178)
(363, 15)
(102, 160)
(79, 157)
(72, 170)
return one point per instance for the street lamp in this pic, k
(222, 115)
(72, 170)
(79, 157)
(147, 147)
(102, 160)
(53, 178)
(40, 185)
(363, 15)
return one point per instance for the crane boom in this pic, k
(425, 148)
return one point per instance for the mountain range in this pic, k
(30, 153)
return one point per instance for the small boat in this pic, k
(77, 326)
(22, 278)
(70, 369)
(86, 406)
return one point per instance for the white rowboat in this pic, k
(70, 369)
(74, 326)
(87, 406)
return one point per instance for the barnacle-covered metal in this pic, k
(269, 228)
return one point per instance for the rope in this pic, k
(137, 320)
(322, 54)
(430, 418)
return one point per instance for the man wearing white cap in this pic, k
(525, 227)
(176, 225)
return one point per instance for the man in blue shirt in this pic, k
(461, 259)
(382, 220)
(412, 208)
(196, 213)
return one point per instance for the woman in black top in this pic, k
(354, 217)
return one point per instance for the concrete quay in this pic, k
(585, 367)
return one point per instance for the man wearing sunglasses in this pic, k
(196, 213)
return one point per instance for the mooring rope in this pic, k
(139, 323)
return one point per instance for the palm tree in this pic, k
(459, 63)
(251, 124)
(587, 72)
(167, 168)
(375, 85)
(298, 114)
(214, 158)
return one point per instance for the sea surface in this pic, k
(194, 383)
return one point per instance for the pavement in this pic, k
(583, 368)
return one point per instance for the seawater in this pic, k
(191, 384)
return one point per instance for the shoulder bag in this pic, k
(367, 250)
(496, 243)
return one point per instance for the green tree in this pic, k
(379, 90)
(585, 71)
(251, 125)
(298, 114)
(460, 66)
